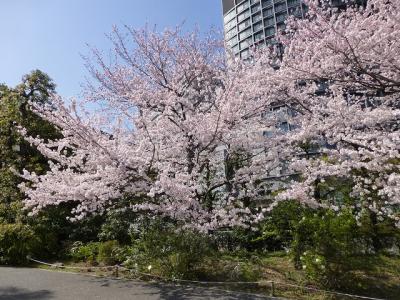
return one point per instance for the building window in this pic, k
(245, 44)
(284, 126)
(244, 24)
(280, 7)
(268, 133)
(232, 42)
(266, 3)
(269, 22)
(243, 15)
(244, 34)
(293, 2)
(230, 25)
(281, 17)
(270, 41)
(258, 36)
(257, 17)
(231, 33)
(294, 10)
(269, 31)
(258, 26)
(281, 26)
(255, 8)
(229, 16)
(244, 54)
(268, 12)
(260, 45)
(242, 6)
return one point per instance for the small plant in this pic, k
(84, 252)
(315, 266)
(107, 252)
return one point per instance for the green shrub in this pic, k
(84, 252)
(246, 272)
(237, 240)
(17, 241)
(10, 212)
(107, 252)
(174, 251)
(324, 245)
(116, 226)
(316, 267)
(277, 230)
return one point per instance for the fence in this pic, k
(271, 285)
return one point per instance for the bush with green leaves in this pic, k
(17, 241)
(174, 251)
(108, 252)
(117, 224)
(324, 245)
(84, 252)
(277, 230)
(274, 233)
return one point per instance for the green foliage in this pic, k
(86, 230)
(17, 241)
(15, 153)
(277, 230)
(84, 252)
(174, 251)
(236, 240)
(10, 212)
(274, 233)
(335, 190)
(15, 110)
(324, 244)
(53, 229)
(37, 87)
(378, 233)
(117, 224)
(50, 228)
(233, 267)
(107, 252)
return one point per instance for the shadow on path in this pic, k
(185, 292)
(34, 284)
(14, 293)
(168, 291)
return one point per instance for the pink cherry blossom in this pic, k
(198, 136)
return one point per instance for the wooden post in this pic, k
(116, 271)
(272, 289)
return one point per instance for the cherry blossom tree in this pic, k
(181, 121)
(197, 139)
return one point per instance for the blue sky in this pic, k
(52, 34)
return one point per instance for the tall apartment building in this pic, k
(255, 22)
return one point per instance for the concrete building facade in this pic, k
(255, 22)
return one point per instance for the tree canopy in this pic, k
(194, 138)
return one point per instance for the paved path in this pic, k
(32, 284)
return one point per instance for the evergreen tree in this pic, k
(15, 153)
